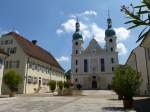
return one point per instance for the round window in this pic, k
(110, 40)
(76, 43)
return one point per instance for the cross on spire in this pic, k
(77, 25)
(109, 21)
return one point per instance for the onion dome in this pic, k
(110, 31)
(77, 34)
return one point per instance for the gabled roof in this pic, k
(93, 45)
(35, 51)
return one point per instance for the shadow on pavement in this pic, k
(142, 105)
(113, 109)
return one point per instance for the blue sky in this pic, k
(51, 22)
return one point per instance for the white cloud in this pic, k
(99, 33)
(90, 12)
(63, 59)
(122, 33)
(59, 31)
(92, 29)
(69, 25)
(121, 48)
(84, 14)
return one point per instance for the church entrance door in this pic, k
(94, 84)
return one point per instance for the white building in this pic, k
(139, 59)
(36, 65)
(3, 56)
(93, 66)
(146, 45)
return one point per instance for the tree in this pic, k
(138, 16)
(60, 85)
(126, 82)
(52, 85)
(66, 84)
(12, 81)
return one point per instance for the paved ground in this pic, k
(92, 101)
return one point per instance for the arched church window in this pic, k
(76, 51)
(111, 49)
(76, 70)
(76, 62)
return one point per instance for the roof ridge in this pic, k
(36, 51)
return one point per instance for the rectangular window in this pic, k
(102, 65)
(76, 62)
(6, 64)
(13, 50)
(112, 60)
(35, 80)
(76, 51)
(112, 69)
(85, 65)
(30, 79)
(8, 50)
(76, 70)
(14, 64)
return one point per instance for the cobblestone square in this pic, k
(91, 101)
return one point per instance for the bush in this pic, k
(79, 86)
(12, 80)
(66, 84)
(126, 82)
(52, 85)
(60, 85)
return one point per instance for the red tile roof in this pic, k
(35, 51)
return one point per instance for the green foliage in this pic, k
(60, 85)
(52, 85)
(126, 81)
(138, 16)
(66, 84)
(12, 80)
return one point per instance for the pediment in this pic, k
(93, 47)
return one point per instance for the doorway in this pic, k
(39, 82)
(94, 84)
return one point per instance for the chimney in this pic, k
(34, 42)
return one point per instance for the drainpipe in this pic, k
(26, 75)
(146, 64)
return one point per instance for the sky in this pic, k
(52, 23)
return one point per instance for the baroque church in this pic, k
(93, 67)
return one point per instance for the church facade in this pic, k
(93, 67)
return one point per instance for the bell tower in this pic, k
(110, 36)
(77, 40)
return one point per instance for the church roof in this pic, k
(35, 51)
(110, 32)
(93, 44)
(77, 34)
